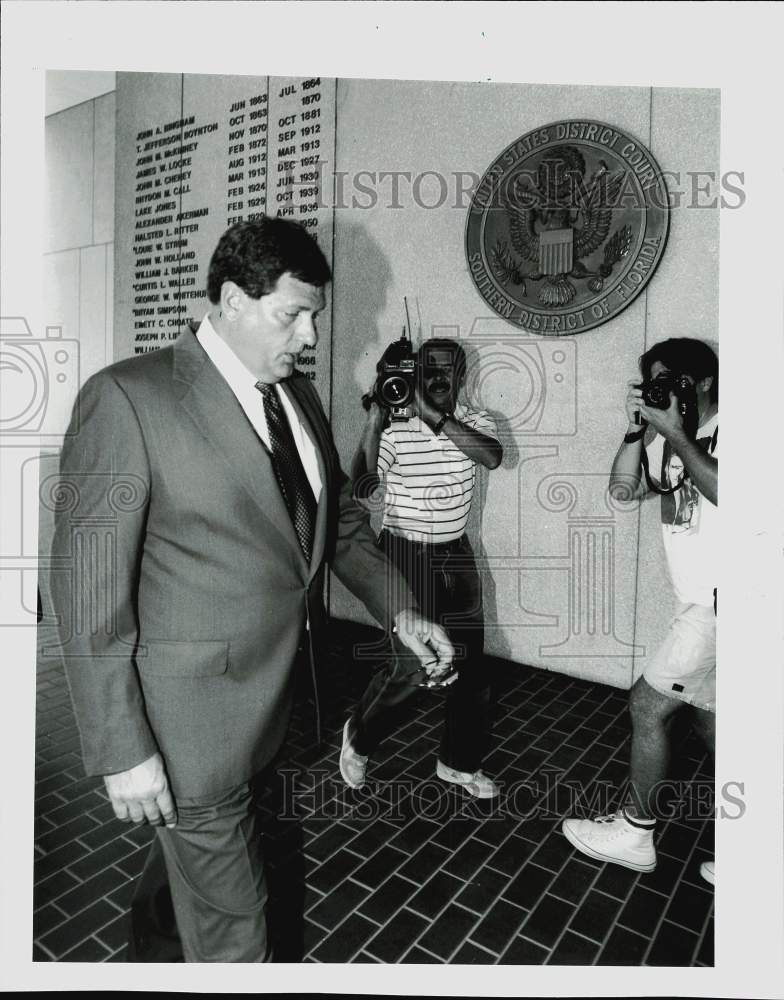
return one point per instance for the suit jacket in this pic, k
(185, 591)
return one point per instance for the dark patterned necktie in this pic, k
(289, 471)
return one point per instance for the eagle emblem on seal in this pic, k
(557, 220)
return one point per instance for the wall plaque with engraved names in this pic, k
(195, 154)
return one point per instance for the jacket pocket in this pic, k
(172, 658)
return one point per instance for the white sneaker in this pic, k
(708, 871)
(612, 838)
(352, 765)
(476, 784)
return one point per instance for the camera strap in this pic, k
(707, 445)
(651, 484)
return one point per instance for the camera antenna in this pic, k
(408, 320)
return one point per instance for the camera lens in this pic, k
(395, 391)
(657, 395)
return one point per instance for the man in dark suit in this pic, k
(216, 460)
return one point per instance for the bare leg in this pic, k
(705, 725)
(651, 714)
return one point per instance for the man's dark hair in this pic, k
(682, 355)
(255, 254)
(445, 344)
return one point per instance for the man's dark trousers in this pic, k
(447, 586)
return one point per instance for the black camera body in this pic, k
(396, 379)
(656, 394)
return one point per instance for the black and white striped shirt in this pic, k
(429, 481)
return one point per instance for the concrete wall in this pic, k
(79, 247)
(78, 250)
(571, 584)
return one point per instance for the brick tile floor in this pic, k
(407, 870)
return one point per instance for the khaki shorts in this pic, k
(684, 666)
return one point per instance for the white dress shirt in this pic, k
(242, 383)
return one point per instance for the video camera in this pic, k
(396, 374)
(396, 378)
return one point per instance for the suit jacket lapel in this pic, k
(208, 399)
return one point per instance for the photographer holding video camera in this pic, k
(424, 446)
(669, 450)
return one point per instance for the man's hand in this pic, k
(364, 465)
(703, 469)
(377, 416)
(634, 404)
(428, 642)
(142, 792)
(669, 422)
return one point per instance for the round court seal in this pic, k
(566, 227)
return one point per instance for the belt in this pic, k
(450, 546)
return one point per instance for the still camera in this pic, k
(656, 394)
